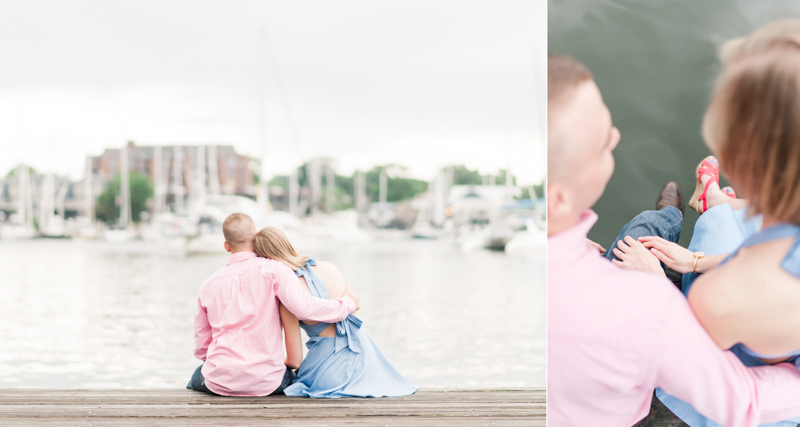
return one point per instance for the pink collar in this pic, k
(240, 256)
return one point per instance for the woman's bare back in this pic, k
(751, 300)
(335, 283)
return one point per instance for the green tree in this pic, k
(464, 176)
(397, 189)
(108, 206)
(31, 172)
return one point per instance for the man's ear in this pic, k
(559, 201)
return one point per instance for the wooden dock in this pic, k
(660, 416)
(49, 407)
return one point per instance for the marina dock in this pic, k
(660, 416)
(429, 407)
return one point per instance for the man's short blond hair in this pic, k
(239, 229)
(564, 75)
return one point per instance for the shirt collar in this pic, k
(240, 256)
(565, 247)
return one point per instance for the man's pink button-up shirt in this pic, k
(615, 335)
(238, 330)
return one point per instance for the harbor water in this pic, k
(655, 63)
(99, 315)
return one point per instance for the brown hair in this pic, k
(238, 229)
(564, 73)
(753, 123)
(272, 243)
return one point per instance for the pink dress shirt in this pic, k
(615, 335)
(238, 330)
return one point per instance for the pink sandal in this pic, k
(699, 200)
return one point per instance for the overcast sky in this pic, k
(420, 84)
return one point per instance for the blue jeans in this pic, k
(198, 382)
(666, 223)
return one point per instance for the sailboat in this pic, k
(20, 225)
(51, 225)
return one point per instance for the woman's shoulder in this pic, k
(326, 267)
(328, 272)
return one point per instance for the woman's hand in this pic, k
(671, 254)
(634, 256)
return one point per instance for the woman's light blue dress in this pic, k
(347, 365)
(724, 230)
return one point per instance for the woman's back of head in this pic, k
(270, 242)
(784, 33)
(753, 121)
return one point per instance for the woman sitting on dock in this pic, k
(748, 302)
(342, 360)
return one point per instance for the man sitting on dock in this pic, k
(615, 335)
(238, 331)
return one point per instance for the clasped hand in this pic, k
(645, 253)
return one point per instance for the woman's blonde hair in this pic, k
(784, 33)
(270, 242)
(753, 123)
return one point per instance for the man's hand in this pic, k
(348, 292)
(597, 246)
(634, 256)
(671, 254)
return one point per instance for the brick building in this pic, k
(225, 171)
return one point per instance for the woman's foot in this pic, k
(729, 192)
(707, 193)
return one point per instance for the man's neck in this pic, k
(558, 225)
(237, 250)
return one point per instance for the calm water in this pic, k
(94, 315)
(655, 63)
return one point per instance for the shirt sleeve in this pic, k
(202, 332)
(303, 305)
(691, 367)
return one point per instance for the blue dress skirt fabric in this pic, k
(347, 365)
(721, 230)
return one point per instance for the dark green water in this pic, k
(655, 62)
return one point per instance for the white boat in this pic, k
(533, 239)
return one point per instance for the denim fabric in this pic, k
(198, 383)
(666, 223)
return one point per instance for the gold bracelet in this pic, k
(697, 255)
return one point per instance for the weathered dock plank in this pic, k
(521, 407)
(660, 416)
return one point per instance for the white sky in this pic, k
(421, 84)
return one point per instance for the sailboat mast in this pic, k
(21, 192)
(294, 192)
(177, 179)
(382, 188)
(125, 190)
(330, 188)
(263, 193)
(201, 179)
(213, 170)
(88, 201)
(158, 172)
